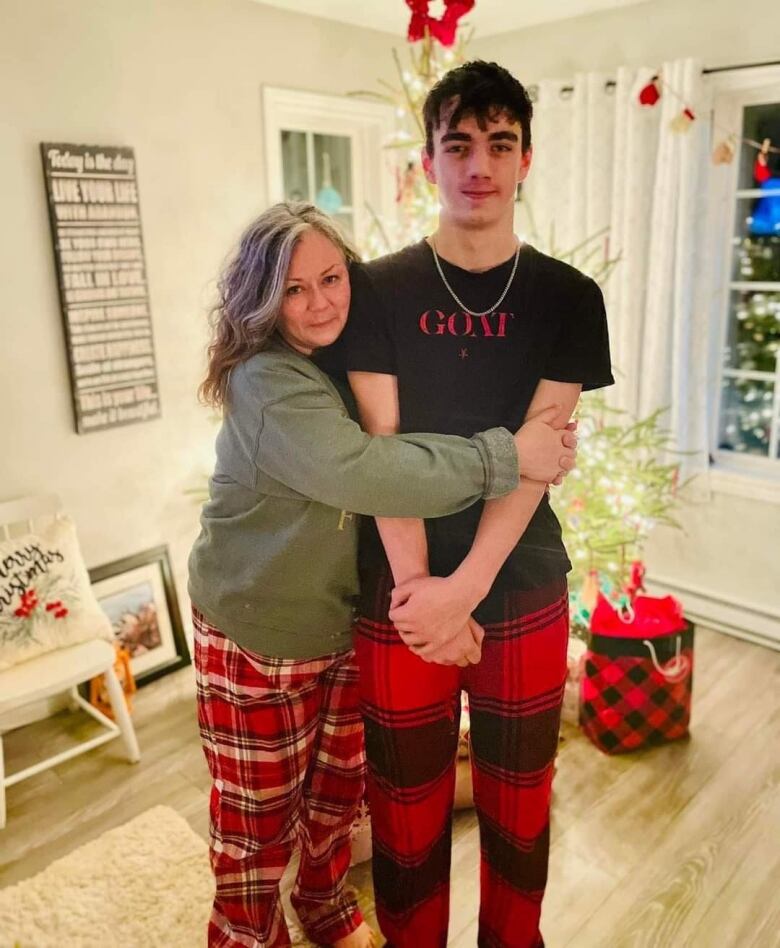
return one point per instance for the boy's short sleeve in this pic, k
(581, 350)
(367, 342)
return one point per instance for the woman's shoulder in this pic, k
(265, 374)
(273, 374)
(277, 360)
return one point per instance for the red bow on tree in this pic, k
(442, 29)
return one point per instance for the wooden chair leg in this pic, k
(122, 715)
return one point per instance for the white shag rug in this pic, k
(146, 884)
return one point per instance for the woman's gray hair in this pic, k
(251, 288)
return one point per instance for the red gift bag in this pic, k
(638, 675)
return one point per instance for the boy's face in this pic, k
(477, 170)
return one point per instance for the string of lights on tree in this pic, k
(427, 60)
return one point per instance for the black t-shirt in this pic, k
(460, 374)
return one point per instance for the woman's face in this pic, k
(316, 295)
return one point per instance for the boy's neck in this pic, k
(477, 249)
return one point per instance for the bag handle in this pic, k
(677, 668)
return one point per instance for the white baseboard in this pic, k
(740, 619)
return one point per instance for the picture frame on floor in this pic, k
(138, 595)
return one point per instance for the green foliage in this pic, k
(620, 489)
(418, 206)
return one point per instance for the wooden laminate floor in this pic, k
(675, 847)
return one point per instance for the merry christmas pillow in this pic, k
(46, 601)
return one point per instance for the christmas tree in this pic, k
(622, 487)
(416, 199)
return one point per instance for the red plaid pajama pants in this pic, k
(411, 712)
(284, 744)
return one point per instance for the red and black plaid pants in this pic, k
(284, 744)
(411, 712)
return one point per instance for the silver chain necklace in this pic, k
(459, 301)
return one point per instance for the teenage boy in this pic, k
(467, 329)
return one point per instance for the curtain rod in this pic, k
(610, 84)
(707, 72)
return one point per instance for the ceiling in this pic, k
(488, 17)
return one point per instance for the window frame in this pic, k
(733, 472)
(368, 125)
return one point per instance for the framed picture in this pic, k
(138, 596)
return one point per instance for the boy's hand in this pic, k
(545, 453)
(572, 427)
(462, 650)
(430, 611)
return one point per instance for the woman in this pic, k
(273, 576)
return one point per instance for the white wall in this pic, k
(719, 32)
(725, 560)
(180, 81)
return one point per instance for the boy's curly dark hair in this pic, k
(481, 89)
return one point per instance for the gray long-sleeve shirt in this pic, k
(275, 565)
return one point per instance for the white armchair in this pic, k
(58, 671)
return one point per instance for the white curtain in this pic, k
(568, 192)
(604, 163)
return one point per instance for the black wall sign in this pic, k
(98, 247)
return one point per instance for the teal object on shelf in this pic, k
(328, 198)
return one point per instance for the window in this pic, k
(330, 151)
(748, 418)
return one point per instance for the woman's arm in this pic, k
(307, 442)
(542, 450)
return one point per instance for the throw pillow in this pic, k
(46, 601)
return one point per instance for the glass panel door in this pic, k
(333, 179)
(318, 168)
(295, 171)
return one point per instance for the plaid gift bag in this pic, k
(636, 686)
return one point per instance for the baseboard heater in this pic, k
(737, 618)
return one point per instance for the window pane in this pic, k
(754, 331)
(746, 416)
(294, 169)
(757, 222)
(756, 259)
(333, 172)
(758, 122)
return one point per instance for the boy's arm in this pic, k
(426, 610)
(404, 539)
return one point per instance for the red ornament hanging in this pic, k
(761, 172)
(442, 29)
(650, 93)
